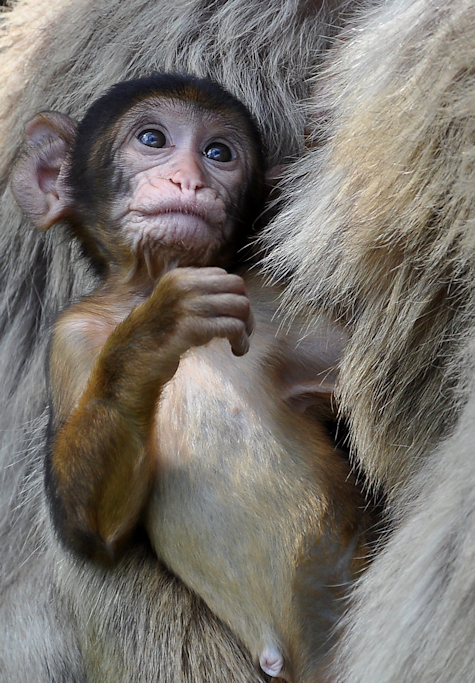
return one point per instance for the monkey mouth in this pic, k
(181, 220)
(187, 209)
(171, 225)
(184, 212)
(177, 228)
(178, 216)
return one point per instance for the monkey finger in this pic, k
(239, 340)
(214, 283)
(250, 322)
(237, 335)
(211, 280)
(220, 305)
(230, 328)
(187, 279)
(233, 306)
(202, 270)
(240, 346)
(195, 274)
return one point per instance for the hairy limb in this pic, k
(102, 461)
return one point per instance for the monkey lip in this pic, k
(183, 218)
(177, 228)
(177, 214)
(179, 221)
(210, 209)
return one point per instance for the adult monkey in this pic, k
(394, 254)
(61, 619)
(398, 74)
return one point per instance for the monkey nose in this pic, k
(188, 177)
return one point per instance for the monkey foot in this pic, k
(271, 661)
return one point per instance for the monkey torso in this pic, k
(250, 502)
(253, 507)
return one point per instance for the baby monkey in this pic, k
(223, 456)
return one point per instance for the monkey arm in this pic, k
(98, 469)
(102, 457)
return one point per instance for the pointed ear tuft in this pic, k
(38, 179)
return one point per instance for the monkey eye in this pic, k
(152, 138)
(218, 151)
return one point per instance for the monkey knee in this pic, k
(271, 661)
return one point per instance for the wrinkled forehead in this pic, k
(158, 108)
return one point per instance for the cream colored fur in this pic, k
(379, 229)
(60, 621)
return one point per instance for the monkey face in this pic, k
(181, 172)
(163, 171)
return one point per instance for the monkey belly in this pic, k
(234, 505)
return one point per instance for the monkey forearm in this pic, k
(101, 467)
(99, 475)
(102, 461)
(138, 359)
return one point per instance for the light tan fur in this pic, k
(388, 240)
(380, 233)
(379, 230)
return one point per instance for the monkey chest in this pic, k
(226, 466)
(236, 501)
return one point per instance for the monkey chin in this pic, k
(186, 237)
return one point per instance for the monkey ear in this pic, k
(303, 393)
(39, 178)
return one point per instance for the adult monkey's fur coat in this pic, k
(386, 210)
(380, 230)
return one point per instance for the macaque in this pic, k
(376, 229)
(62, 618)
(164, 410)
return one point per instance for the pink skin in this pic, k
(271, 661)
(178, 197)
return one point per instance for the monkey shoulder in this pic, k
(79, 335)
(83, 328)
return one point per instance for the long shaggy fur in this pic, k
(380, 231)
(60, 621)
(380, 225)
